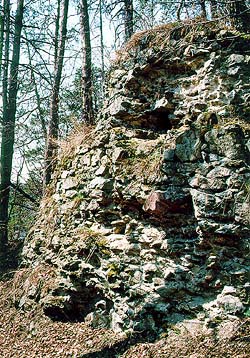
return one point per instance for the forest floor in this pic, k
(32, 335)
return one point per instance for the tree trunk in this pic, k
(51, 150)
(213, 8)
(37, 94)
(4, 183)
(240, 15)
(203, 9)
(57, 29)
(179, 9)
(101, 43)
(8, 121)
(87, 90)
(128, 19)
(1, 38)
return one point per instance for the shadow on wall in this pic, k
(78, 307)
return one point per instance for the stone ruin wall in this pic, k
(148, 221)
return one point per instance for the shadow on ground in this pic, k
(121, 347)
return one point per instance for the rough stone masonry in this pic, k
(147, 223)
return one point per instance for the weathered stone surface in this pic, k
(149, 222)
(188, 146)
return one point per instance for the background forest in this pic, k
(54, 56)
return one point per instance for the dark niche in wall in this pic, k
(157, 121)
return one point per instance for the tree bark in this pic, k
(101, 43)
(203, 9)
(37, 94)
(4, 182)
(87, 90)
(213, 8)
(180, 6)
(51, 150)
(57, 29)
(128, 19)
(240, 15)
(1, 38)
(8, 121)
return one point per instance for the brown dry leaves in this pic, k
(31, 335)
(189, 346)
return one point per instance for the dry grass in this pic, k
(81, 134)
(148, 168)
(145, 165)
(49, 210)
(41, 277)
(160, 36)
(244, 124)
